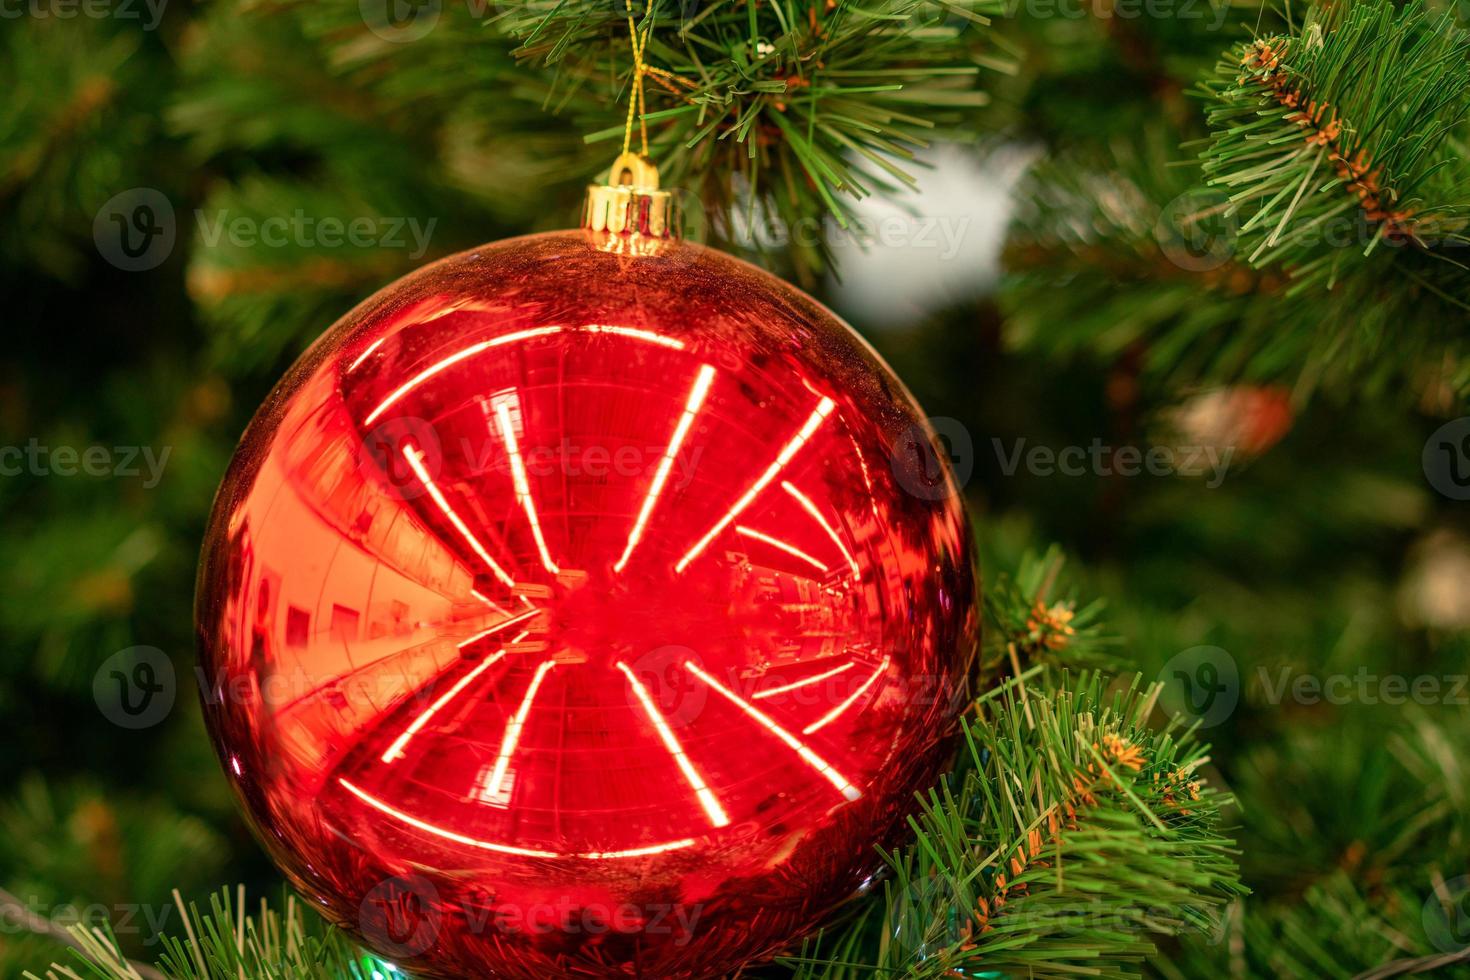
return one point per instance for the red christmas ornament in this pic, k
(574, 613)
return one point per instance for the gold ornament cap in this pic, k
(630, 202)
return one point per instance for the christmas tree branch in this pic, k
(1327, 211)
(1070, 835)
(821, 102)
(226, 943)
(1326, 127)
(1149, 266)
(95, 944)
(1029, 623)
(64, 145)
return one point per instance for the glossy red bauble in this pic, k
(575, 614)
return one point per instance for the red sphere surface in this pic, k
(567, 613)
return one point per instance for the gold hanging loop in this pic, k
(633, 170)
(630, 203)
(629, 212)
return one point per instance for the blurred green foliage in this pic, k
(1326, 553)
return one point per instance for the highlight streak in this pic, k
(771, 692)
(485, 599)
(397, 394)
(633, 852)
(832, 715)
(366, 354)
(523, 484)
(416, 462)
(712, 808)
(692, 404)
(503, 624)
(513, 731)
(811, 508)
(780, 545)
(429, 828)
(395, 751)
(824, 408)
(636, 334)
(795, 744)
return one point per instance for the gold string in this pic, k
(636, 103)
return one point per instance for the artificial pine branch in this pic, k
(1030, 619)
(1069, 838)
(96, 945)
(226, 943)
(1321, 244)
(1327, 126)
(1336, 928)
(1341, 148)
(1407, 785)
(780, 112)
(829, 99)
(65, 146)
(1114, 252)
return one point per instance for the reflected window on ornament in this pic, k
(344, 623)
(403, 545)
(298, 626)
(398, 613)
(441, 569)
(499, 796)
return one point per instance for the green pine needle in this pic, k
(1070, 838)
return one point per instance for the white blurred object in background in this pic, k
(933, 248)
